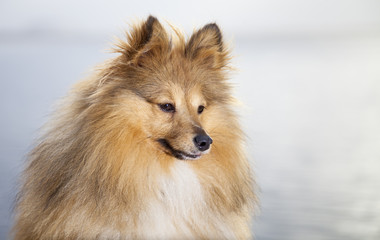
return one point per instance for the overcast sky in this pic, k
(238, 16)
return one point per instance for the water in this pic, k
(311, 111)
(313, 117)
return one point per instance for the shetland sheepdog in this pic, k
(147, 147)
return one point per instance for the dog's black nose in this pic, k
(202, 142)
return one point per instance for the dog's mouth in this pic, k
(177, 153)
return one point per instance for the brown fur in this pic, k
(98, 171)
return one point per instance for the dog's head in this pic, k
(178, 86)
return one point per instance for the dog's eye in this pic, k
(167, 107)
(200, 109)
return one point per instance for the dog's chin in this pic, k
(186, 156)
(181, 155)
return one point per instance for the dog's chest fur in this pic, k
(180, 189)
(175, 197)
(179, 207)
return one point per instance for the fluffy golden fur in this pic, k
(118, 159)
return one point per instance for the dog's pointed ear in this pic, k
(206, 47)
(147, 40)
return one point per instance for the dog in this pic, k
(147, 147)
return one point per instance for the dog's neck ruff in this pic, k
(177, 194)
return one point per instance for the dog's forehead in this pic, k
(182, 94)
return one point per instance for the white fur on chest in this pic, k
(180, 190)
(178, 199)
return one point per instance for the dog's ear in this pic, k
(147, 40)
(206, 47)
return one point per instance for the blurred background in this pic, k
(308, 75)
